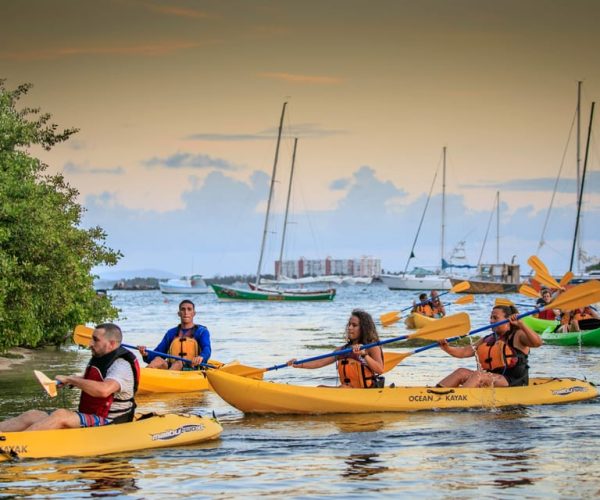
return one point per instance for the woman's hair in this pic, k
(368, 330)
(507, 310)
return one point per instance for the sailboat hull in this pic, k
(482, 286)
(408, 282)
(228, 293)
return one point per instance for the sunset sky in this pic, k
(178, 103)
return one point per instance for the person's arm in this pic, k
(374, 359)
(525, 336)
(164, 346)
(458, 351)
(95, 388)
(317, 363)
(203, 338)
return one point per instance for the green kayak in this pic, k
(584, 338)
(540, 325)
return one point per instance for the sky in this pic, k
(178, 104)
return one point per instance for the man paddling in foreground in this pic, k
(186, 340)
(107, 389)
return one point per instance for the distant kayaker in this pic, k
(107, 389)
(362, 367)
(437, 307)
(543, 301)
(501, 356)
(584, 318)
(186, 340)
(424, 306)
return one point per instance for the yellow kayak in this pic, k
(157, 431)
(154, 380)
(257, 396)
(416, 321)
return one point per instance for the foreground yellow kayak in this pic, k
(156, 431)
(256, 396)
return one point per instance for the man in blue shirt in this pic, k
(186, 340)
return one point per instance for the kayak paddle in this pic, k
(457, 324)
(47, 383)
(578, 296)
(529, 291)
(82, 335)
(543, 275)
(392, 317)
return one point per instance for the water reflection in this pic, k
(363, 465)
(102, 477)
(513, 466)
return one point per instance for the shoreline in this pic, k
(21, 354)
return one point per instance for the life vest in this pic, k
(425, 310)
(184, 345)
(353, 371)
(547, 314)
(97, 370)
(495, 354)
(578, 315)
(437, 309)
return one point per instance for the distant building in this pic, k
(365, 266)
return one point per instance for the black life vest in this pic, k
(97, 369)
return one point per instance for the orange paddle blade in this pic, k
(48, 384)
(448, 326)
(82, 335)
(529, 291)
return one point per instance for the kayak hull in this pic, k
(158, 431)
(590, 338)
(539, 325)
(228, 293)
(416, 321)
(153, 380)
(254, 396)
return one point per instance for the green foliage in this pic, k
(46, 285)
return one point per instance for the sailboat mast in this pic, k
(287, 209)
(578, 164)
(264, 238)
(443, 207)
(497, 226)
(580, 191)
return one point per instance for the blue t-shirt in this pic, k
(202, 336)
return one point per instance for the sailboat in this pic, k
(255, 291)
(494, 278)
(576, 249)
(422, 279)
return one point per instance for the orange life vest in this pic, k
(578, 315)
(356, 373)
(425, 310)
(496, 353)
(185, 346)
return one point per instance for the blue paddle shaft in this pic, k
(164, 355)
(478, 330)
(341, 352)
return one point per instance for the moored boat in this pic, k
(415, 282)
(255, 396)
(230, 293)
(194, 286)
(584, 338)
(154, 431)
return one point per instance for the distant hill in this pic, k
(116, 275)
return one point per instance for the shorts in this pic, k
(87, 420)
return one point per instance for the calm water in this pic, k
(536, 452)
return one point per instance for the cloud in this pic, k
(72, 168)
(303, 79)
(188, 160)
(148, 49)
(339, 184)
(222, 219)
(302, 130)
(543, 184)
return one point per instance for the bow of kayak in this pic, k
(156, 431)
(256, 396)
